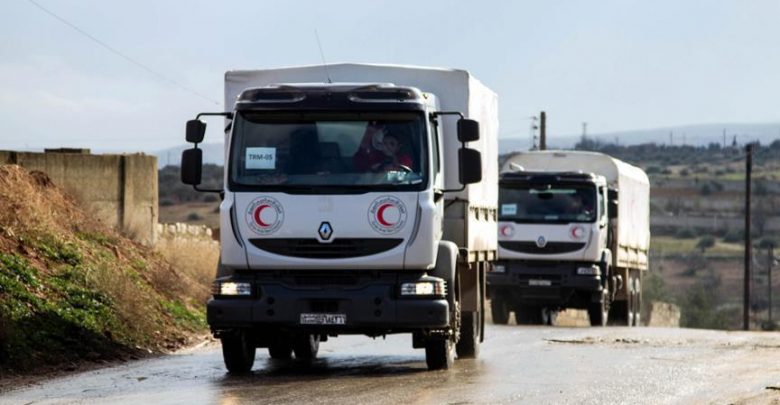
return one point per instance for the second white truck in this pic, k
(358, 199)
(574, 232)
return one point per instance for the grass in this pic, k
(72, 290)
(672, 245)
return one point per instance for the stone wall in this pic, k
(120, 189)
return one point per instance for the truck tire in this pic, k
(549, 316)
(529, 315)
(622, 312)
(238, 353)
(637, 297)
(280, 351)
(468, 345)
(439, 354)
(306, 346)
(599, 311)
(499, 311)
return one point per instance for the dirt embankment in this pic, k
(74, 291)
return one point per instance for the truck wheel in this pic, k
(528, 315)
(306, 346)
(622, 312)
(280, 351)
(549, 316)
(499, 311)
(468, 345)
(439, 354)
(238, 353)
(638, 298)
(619, 315)
(598, 311)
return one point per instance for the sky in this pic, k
(615, 64)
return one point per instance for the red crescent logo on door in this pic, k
(258, 217)
(387, 215)
(380, 215)
(264, 215)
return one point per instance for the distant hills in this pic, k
(695, 135)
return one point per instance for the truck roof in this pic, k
(614, 170)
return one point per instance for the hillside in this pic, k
(73, 290)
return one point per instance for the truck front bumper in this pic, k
(545, 283)
(367, 303)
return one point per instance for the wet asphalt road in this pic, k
(516, 365)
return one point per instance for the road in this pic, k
(517, 364)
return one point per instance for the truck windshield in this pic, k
(309, 150)
(556, 204)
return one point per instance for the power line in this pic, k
(122, 55)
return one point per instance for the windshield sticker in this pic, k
(508, 209)
(265, 215)
(261, 158)
(387, 215)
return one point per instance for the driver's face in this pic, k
(391, 145)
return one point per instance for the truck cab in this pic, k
(333, 220)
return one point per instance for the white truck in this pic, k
(574, 232)
(353, 205)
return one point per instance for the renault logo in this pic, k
(541, 242)
(325, 230)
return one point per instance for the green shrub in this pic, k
(706, 242)
(194, 216)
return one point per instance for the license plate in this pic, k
(543, 283)
(323, 319)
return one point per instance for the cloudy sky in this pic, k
(617, 64)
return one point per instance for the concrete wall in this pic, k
(120, 189)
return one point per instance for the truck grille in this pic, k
(338, 249)
(549, 249)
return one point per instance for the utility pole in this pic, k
(748, 239)
(543, 131)
(769, 262)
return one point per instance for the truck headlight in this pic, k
(588, 271)
(231, 288)
(424, 288)
(499, 268)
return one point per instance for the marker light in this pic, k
(232, 288)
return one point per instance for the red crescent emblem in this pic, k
(258, 211)
(380, 215)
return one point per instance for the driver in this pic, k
(389, 158)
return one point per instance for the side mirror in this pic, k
(191, 166)
(196, 129)
(468, 130)
(470, 166)
(612, 209)
(612, 203)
